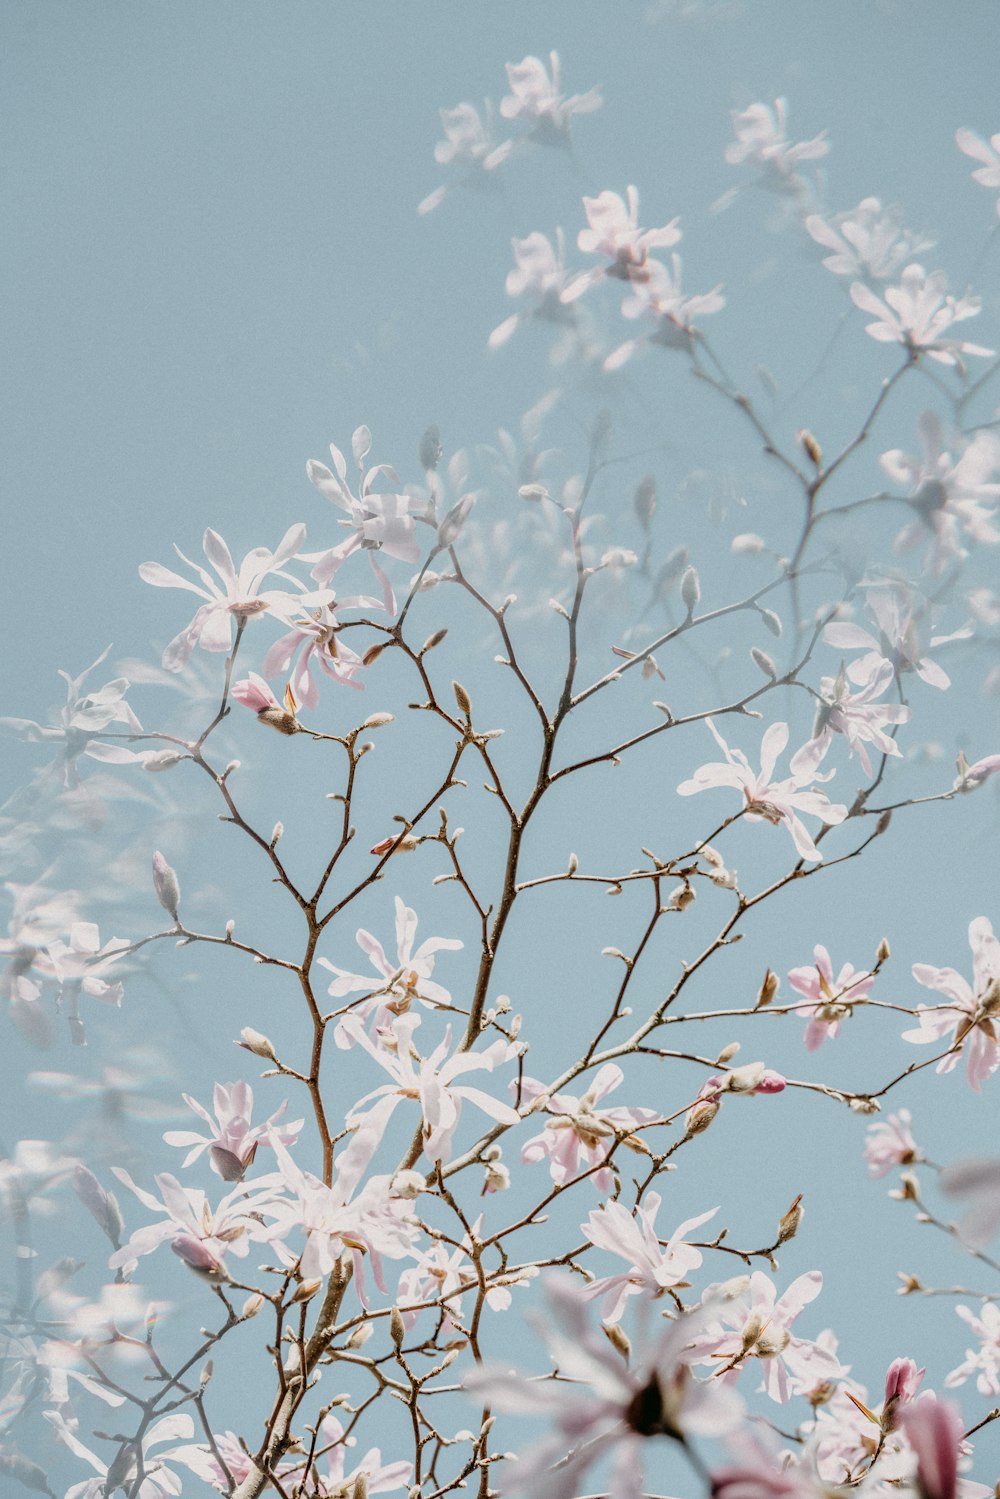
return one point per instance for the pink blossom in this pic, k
(901, 638)
(602, 1406)
(330, 1480)
(317, 637)
(971, 777)
(916, 314)
(858, 716)
(952, 496)
(972, 1011)
(653, 1266)
(902, 1381)
(984, 1361)
(429, 1081)
(868, 242)
(581, 1133)
(442, 1275)
(227, 1228)
(761, 139)
(535, 97)
(403, 981)
(761, 1472)
(830, 999)
(935, 1430)
(231, 1141)
(254, 693)
(774, 802)
(989, 173)
(979, 1181)
(240, 596)
(889, 1143)
(614, 233)
(204, 1464)
(750, 1320)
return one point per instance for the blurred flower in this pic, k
(952, 497)
(868, 242)
(890, 1143)
(761, 139)
(614, 233)
(984, 1361)
(536, 99)
(916, 314)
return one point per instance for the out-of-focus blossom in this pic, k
(868, 242)
(755, 1323)
(673, 314)
(654, 1266)
(581, 1132)
(377, 522)
(232, 1141)
(468, 145)
(203, 1462)
(978, 1181)
(973, 1010)
(539, 274)
(398, 984)
(84, 715)
(602, 1407)
(535, 98)
(615, 235)
(918, 313)
(858, 716)
(759, 1471)
(430, 1081)
(762, 140)
(989, 173)
(830, 999)
(901, 638)
(954, 498)
(984, 1361)
(158, 1481)
(328, 1480)
(889, 1143)
(34, 1169)
(971, 777)
(935, 1430)
(770, 801)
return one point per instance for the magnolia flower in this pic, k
(468, 142)
(868, 242)
(857, 716)
(952, 497)
(602, 1407)
(889, 1143)
(535, 97)
(329, 1480)
(762, 140)
(186, 1213)
(971, 777)
(317, 636)
(377, 522)
(777, 802)
(402, 982)
(539, 274)
(653, 1266)
(916, 314)
(203, 1462)
(973, 1009)
(231, 1142)
(614, 233)
(580, 1133)
(254, 693)
(84, 714)
(984, 1361)
(240, 596)
(752, 1321)
(661, 299)
(989, 173)
(442, 1275)
(935, 1431)
(158, 1482)
(901, 638)
(430, 1082)
(830, 998)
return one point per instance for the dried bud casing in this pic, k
(788, 1224)
(768, 989)
(701, 1116)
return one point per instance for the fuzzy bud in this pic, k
(572, 864)
(451, 527)
(690, 589)
(372, 654)
(788, 1224)
(462, 699)
(166, 885)
(277, 833)
(253, 1041)
(397, 1327)
(305, 1291)
(359, 1337)
(618, 1339)
(252, 1306)
(100, 1204)
(810, 447)
(764, 662)
(883, 952)
(768, 989)
(360, 1489)
(432, 641)
(162, 760)
(644, 501)
(700, 1116)
(771, 622)
(727, 1053)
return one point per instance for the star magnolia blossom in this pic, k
(653, 1266)
(777, 802)
(868, 242)
(615, 234)
(857, 715)
(317, 636)
(984, 1361)
(661, 299)
(889, 1143)
(535, 97)
(239, 597)
(916, 314)
(376, 521)
(989, 173)
(444, 1275)
(540, 274)
(603, 1407)
(429, 1081)
(227, 1228)
(580, 1133)
(979, 1182)
(901, 639)
(467, 139)
(84, 714)
(405, 980)
(973, 1009)
(830, 998)
(158, 1482)
(761, 138)
(756, 1323)
(232, 1141)
(953, 497)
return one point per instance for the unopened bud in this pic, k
(397, 1327)
(644, 501)
(279, 719)
(206, 1373)
(166, 885)
(377, 721)
(618, 1339)
(573, 864)
(252, 1040)
(751, 1331)
(276, 835)
(727, 1053)
(788, 1224)
(768, 989)
(701, 1116)
(772, 622)
(359, 1337)
(883, 952)
(810, 447)
(745, 1079)
(230, 929)
(462, 699)
(451, 527)
(305, 1291)
(432, 641)
(252, 1306)
(360, 1489)
(162, 760)
(762, 660)
(882, 826)
(372, 654)
(772, 1341)
(690, 589)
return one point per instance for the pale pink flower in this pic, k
(536, 99)
(774, 802)
(889, 1142)
(901, 638)
(830, 999)
(984, 1361)
(755, 1323)
(602, 1406)
(858, 716)
(227, 1228)
(902, 1381)
(614, 233)
(760, 1471)
(240, 597)
(232, 1141)
(953, 497)
(540, 275)
(377, 522)
(399, 983)
(204, 1464)
(158, 1482)
(654, 1266)
(443, 1274)
(580, 1132)
(317, 636)
(973, 1009)
(254, 693)
(935, 1431)
(989, 173)
(328, 1480)
(917, 313)
(761, 139)
(971, 777)
(868, 242)
(979, 1181)
(429, 1081)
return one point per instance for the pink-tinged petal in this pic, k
(219, 556)
(798, 1295)
(934, 1430)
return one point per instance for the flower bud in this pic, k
(378, 721)
(252, 1306)
(166, 885)
(252, 1040)
(690, 589)
(305, 1291)
(359, 1337)
(618, 1339)
(810, 447)
(162, 760)
(432, 641)
(700, 1116)
(195, 1253)
(768, 989)
(884, 951)
(765, 663)
(462, 699)
(397, 1327)
(360, 1489)
(788, 1224)
(100, 1204)
(772, 622)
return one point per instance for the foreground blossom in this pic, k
(830, 999)
(935, 1430)
(581, 1131)
(653, 1266)
(772, 801)
(188, 1217)
(918, 313)
(973, 1009)
(890, 1143)
(755, 1323)
(232, 1141)
(603, 1407)
(315, 640)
